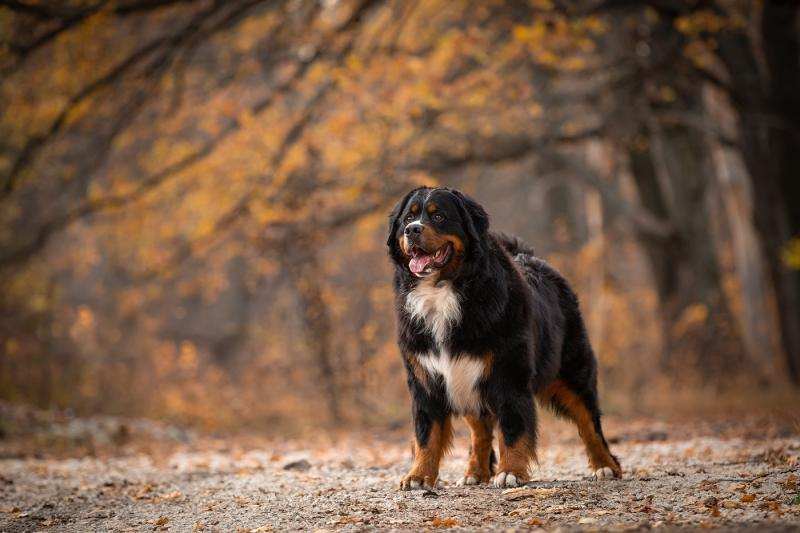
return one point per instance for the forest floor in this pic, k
(738, 474)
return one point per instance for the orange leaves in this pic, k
(704, 21)
(791, 254)
(560, 42)
(444, 522)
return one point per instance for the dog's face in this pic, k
(431, 231)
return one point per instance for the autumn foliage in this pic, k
(193, 195)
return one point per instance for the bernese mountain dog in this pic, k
(484, 326)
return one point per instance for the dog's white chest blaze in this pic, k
(437, 306)
(461, 376)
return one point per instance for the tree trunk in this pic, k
(672, 172)
(304, 273)
(698, 325)
(769, 134)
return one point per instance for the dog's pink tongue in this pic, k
(419, 263)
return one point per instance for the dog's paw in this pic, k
(414, 482)
(508, 479)
(604, 473)
(468, 480)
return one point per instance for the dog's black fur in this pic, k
(517, 312)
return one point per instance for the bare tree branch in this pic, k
(37, 142)
(58, 223)
(68, 19)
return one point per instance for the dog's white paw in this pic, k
(603, 473)
(413, 482)
(506, 479)
(466, 480)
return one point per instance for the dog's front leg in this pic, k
(433, 434)
(517, 441)
(515, 411)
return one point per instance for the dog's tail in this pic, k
(514, 245)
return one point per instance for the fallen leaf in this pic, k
(747, 498)
(444, 522)
(772, 506)
(144, 492)
(171, 496)
(162, 521)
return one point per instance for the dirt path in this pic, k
(671, 479)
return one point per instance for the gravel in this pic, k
(677, 480)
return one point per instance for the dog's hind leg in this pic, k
(481, 454)
(580, 405)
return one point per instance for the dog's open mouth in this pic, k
(424, 263)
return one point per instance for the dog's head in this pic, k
(432, 232)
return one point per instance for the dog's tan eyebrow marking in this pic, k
(431, 208)
(414, 208)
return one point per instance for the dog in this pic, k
(484, 326)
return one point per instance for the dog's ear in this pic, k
(476, 217)
(394, 220)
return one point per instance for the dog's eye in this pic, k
(438, 217)
(409, 217)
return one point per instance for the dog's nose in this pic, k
(413, 229)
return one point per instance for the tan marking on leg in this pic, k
(515, 460)
(425, 470)
(596, 450)
(479, 468)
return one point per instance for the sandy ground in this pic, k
(730, 476)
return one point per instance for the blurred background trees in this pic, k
(193, 194)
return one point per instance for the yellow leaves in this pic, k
(187, 358)
(791, 254)
(699, 52)
(251, 31)
(546, 58)
(593, 25)
(354, 63)
(246, 118)
(651, 15)
(166, 151)
(529, 34)
(559, 42)
(444, 522)
(702, 21)
(544, 5)
(11, 346)
(667, 93)
(573, 63)
(693, 316)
